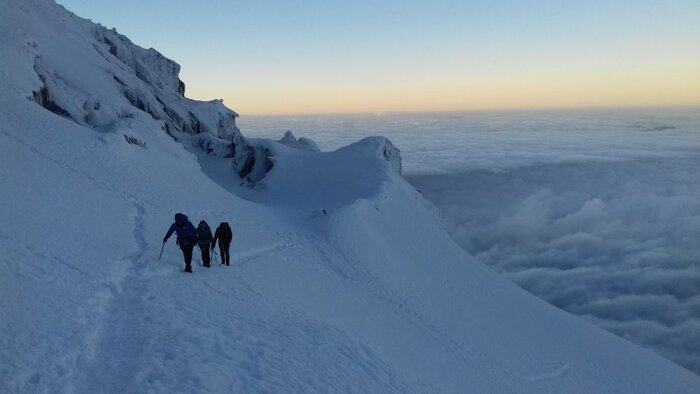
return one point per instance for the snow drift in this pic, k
(343, 278)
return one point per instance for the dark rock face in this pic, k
(248, 165)
(181, 88)
(392, 154)
(134, 141)
(43, 98)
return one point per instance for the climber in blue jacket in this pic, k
(186, 238)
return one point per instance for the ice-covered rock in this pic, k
(392, 154)
(300, 143)
(98, 78)
(384, 148)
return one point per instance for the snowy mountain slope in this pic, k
(342, 277)
(98, 78)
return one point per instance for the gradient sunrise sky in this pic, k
(287, 57)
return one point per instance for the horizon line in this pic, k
(506, 109)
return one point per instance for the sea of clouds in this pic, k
(617, 243)
(597, 211)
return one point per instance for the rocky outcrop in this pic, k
(392, 154)
(110, 79)
(299, 143)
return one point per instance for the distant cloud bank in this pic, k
(617, 243)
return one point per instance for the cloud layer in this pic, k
(617, 243)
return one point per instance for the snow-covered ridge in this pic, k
(98, 78)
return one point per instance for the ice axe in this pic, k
(213, 254)
(161, 251)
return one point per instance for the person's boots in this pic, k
(188, 268)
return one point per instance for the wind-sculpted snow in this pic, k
(148, 65)
(324, 181)
(300, 143)
(100, 79)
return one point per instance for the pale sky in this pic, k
(285, 57)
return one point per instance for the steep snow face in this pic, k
(342, 280)
(100, 79)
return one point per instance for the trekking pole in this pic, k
(161, 251)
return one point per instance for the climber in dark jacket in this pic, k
(204, 240)
(224, 235)
(186, 238)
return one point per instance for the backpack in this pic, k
(186, 233)
(225, 234)
(203, 233)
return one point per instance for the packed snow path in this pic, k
(142, 308)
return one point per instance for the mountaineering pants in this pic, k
(225, 257)
(204, 247)
(187, 253)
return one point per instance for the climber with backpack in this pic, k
(223, 235)
(204, 240)
(186, 238)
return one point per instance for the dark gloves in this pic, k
(165, 240)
